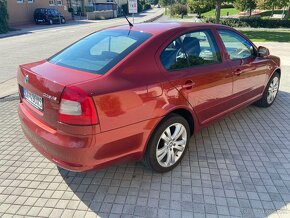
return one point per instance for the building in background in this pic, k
(21, 11)
(81, 7)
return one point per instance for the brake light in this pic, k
(77, 108)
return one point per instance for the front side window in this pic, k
(189, 50)
(237, 46)
(99, 52)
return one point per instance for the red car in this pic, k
(139, 93)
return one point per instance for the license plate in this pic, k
(33, 99)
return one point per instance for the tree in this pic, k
(179, 9)
(3, 17)
(199, 6)
(244, 5)
(218, 11)
(166, 2)
(272, 4)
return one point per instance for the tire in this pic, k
(63, 21)
(169, 146)
(270, 92)
(50, 22)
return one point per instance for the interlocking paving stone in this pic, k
(237, 167)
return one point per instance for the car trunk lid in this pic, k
(43, 81)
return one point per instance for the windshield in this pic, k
(100, 51)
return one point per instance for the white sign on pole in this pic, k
(132, 6)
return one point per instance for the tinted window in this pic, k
(55, 12)
(191, 49)
(237, 46)
(40, 11)
(99, 52)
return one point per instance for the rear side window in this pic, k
(189, 50)
(99, 52)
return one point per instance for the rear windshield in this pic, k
(100, 51)
(40, 10)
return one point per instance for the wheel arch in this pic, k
(181, 111)
(278, 70)
(186, 115)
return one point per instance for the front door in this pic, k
(248, 71)
(196, 70)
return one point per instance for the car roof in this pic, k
(158, 28)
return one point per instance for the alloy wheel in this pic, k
(171, 145)
(273, 90)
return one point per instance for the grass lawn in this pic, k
(232, 11)
(267, 36)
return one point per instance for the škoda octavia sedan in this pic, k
(139, 93)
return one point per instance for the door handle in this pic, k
(238, 72)
(188, 85)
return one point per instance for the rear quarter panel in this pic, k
(135, 90)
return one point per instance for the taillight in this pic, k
(77, 108)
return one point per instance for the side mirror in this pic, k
(263, 52)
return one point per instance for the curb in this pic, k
(12, 97)
(153, 19)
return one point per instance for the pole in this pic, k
(133, 17)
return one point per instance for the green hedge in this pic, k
(4, 28)
(252, 22)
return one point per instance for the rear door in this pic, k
(249, 72)
(196, 69)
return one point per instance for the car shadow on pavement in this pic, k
(239, 166)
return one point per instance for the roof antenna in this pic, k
(130, 24)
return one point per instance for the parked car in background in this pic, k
(49, 16)
(132, 93)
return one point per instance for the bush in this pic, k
(147, 6)
(199, 7)
(252, 22)
(4, 28)
(178, 9)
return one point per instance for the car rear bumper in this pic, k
(86, 152)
